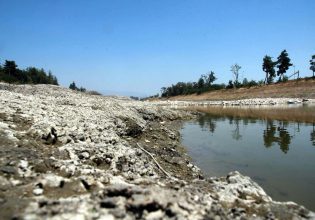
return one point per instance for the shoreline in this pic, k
(241, 102)
(89, 166)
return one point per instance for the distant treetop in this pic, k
(10, 73)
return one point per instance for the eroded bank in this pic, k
(67, 154)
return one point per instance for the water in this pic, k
(278, 155)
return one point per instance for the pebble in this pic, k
(38, 191)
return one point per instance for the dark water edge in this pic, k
(279, 155)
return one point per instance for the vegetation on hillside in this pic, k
(73, 86)
(9, 72)
(205, 82)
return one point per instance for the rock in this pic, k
(4, 184)
(84, 155)
(106, 217)
(51, 180)
(155, 215)
(133, 129)
(177, 160)
(118, 212)
(38, 191)
(8, 169)
(109, 203)
(23, 165)
(108, 160)
(51, 137)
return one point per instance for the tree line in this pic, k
(9, 72)
(204, 84)
(206, 81)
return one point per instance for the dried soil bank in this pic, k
(70, 155)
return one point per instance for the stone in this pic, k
(155, 215)
(118, 212)
(106, 217)
(4, 184)
(38, 191)
(109, 203)
(84, 155)
(108, 160)
(8, 169)
(51, 180)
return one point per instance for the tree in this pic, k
(55, 81)
(209, 78)
(10, 73)
(312, 63)
(252, 83)
(50, 77)
(10, 68)
(230, 85)
(34, 74)
(283, 64)
(235, 70)
(82, 89)
(163, 91)
(73, 86)
(245, 82)
(201, 85)
(268, 67)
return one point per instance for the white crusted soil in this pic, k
(71, 155)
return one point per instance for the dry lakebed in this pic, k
(71, 155)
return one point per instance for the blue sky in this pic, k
(135, 47)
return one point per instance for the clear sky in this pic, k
(135, 47)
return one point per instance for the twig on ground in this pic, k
(159, 166)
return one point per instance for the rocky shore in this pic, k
(71, 155)
(242, 102)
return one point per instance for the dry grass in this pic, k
(292, 89)
(306, 114)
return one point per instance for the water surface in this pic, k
(279, 155)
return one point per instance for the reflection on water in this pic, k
(275, 133)
(279, 155)
(313, 136)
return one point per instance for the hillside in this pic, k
(303, 88)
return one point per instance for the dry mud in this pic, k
(70, 155)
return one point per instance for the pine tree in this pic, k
(283, 64)
(73, 86)
(269, 68)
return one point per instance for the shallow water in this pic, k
(278, 155)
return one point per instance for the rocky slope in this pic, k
(71, 155)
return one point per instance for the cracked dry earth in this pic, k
(71, 155)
